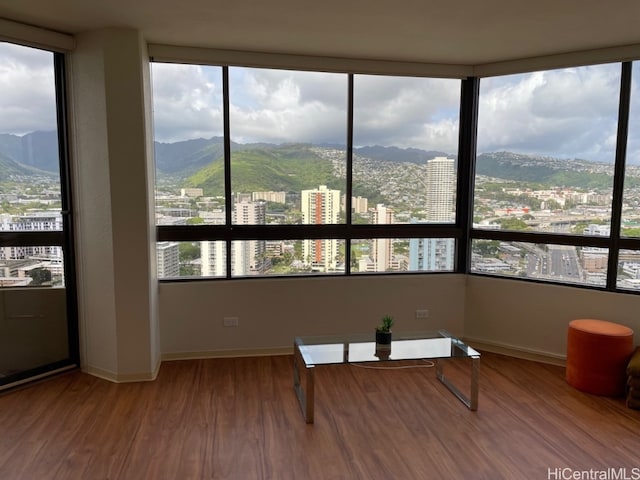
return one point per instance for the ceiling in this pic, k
(466, 32)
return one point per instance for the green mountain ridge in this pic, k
(187, 157)
(547, 172)
(9, 169)
(289, 168)
(292, 167)
(37, 152)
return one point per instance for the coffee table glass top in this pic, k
(355, 348)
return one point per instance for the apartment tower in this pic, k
(247, 256)
(436, 254)
(320, 206)
(382, 248)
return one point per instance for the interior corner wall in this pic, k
(272, 312)
(115, 242)
(532, 318)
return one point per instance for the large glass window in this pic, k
(547, 262)
(545, 167)
(290, 165)
(277, 172)
(405, 148)
(288, 141)
(189, 144)
(546, 150)
(30, 188)
(38, 327)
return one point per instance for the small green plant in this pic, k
(387, 323)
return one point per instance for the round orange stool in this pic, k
(597, 356)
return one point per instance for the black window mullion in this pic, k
(66, 204)
(349, 179)
(469, 98)
(618, 175)
(228, 201)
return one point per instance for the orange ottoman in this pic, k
(597, 356)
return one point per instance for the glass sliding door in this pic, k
(38, 319)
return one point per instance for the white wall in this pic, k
(532, 318)
(272, 312)
(114, 204)
(514, 317)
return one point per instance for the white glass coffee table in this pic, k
(439, 346)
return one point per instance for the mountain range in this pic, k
(289, 167)
(32, 154)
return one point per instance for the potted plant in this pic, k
(383, 331)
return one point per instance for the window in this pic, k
(31, 220)
(258, 176)
(405, 149)
(38, 328)
(264, 172)
(545, 174)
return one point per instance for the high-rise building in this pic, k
(32, 222)
(382, 248)
(247, 256)
(441, 189)
(436, 254)
(320, 206)
(358, 204)
(214, 258)
(431, 254)
(168, 254)
(276, 197)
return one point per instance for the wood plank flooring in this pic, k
(239, 419)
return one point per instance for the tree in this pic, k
(512, 223)
(189, 251)
(486, 248)
(631, 232)
(40, 276)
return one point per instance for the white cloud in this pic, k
(282, 106)
(570, 113)
(407, 112)
(27, 90)
(187, 102)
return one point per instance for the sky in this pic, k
(27, 92)
(569, 113)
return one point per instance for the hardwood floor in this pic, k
(239, 419)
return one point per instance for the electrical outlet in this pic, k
(422, 313)
(230, 321)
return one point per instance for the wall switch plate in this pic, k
(422, 313)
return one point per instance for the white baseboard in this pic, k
(516, 351)
(256, 352)
(122, 377)
(167, 357)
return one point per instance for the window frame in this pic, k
(64, 238)
(614, 242)
(346, 231)
(462, 231)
